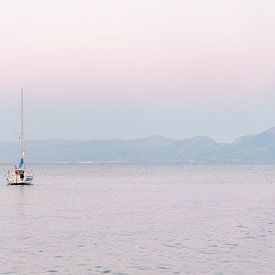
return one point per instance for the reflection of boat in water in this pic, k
(20, 175)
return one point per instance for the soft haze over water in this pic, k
(139, 219)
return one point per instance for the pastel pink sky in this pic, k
(135, 68)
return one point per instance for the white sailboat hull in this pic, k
(19, 177)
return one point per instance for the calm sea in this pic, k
(139, 219)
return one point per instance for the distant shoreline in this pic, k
(252, 149)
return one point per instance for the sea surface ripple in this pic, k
(139, 219)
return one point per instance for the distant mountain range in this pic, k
(258, 149)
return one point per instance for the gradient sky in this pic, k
(121, 68)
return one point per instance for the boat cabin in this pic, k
(20, 173)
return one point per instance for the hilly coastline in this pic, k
(252, 149)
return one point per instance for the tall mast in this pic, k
(22, 134)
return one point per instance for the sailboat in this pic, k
(20, 175)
